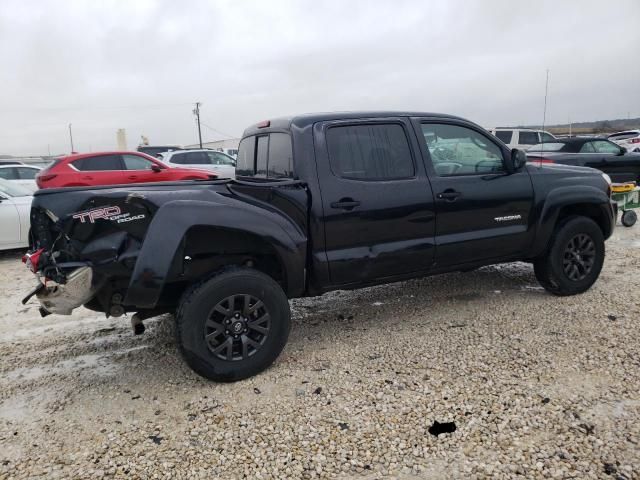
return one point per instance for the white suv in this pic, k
(522, 138)
(629, 139)
(219, 163)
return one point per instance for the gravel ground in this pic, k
(535, 386)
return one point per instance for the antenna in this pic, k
(544, 111)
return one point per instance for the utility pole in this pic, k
(71, 138)
(196, 112)
(546, 92)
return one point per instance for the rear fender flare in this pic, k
(171, 223)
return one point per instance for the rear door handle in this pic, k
(449, 195)
(132, 177)
(346, 204)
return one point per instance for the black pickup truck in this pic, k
(321, 202)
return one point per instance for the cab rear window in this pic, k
(266, 156)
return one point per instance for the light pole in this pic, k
(196, 112)
(71, 137)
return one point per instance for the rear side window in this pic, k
(528, 138)
(280, 156)
(505, 135)
(370, 152)
(27, 173)
(99, 163)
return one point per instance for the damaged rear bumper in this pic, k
(58, 298)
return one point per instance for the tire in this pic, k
(230, 353)
(629, 218)
(566, 269)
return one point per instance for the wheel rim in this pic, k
(579, 257)
(237, 327)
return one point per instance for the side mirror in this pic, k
(518, 160)
(156, 168)
(623, 151)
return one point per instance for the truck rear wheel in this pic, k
(233, 325)
(574, 259)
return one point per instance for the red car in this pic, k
(109, 168)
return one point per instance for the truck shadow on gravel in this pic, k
(376, 309)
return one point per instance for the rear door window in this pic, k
(528, 138)
(505, 135)
(8, 173)
(587, 148)
(99, 163)
(217, 158)
(370, 152)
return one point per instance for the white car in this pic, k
(23, 175)
(522, 138)
(15, 207)
(629, 139)
(219, 163)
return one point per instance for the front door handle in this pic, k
(449, 195)
(132, 177)
(346, 204)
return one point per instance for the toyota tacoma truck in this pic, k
(320, 202)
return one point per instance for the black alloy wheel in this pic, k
(579, 257)
(237, 327)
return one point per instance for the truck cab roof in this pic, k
(306, 119)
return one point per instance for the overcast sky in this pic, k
(140, 64)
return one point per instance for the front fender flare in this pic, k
(172, 221)
(562, 197)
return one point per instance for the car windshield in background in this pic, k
(12, 190)
(547, 147)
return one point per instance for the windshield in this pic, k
(547, 147)
(12, 190)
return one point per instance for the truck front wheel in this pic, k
(574, 259)
(233, 325)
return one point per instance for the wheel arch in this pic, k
(578, 200)
(223, 232)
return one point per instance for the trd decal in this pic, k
(508, 218)
(96, 213)
(107, 213)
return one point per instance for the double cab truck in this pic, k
(320, 202)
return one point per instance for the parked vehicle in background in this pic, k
(594, 152)
(112, 168)
(15, 207)
(154, 150)
(221, 164)
(232, 152)
(322, 202)
(521, 138)
(629, 139)
(10, 162)
(21, 174)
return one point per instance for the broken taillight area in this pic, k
(31, 259)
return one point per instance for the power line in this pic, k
(218, 131)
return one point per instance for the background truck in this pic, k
(321, 202)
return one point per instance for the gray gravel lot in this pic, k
(537, 386)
